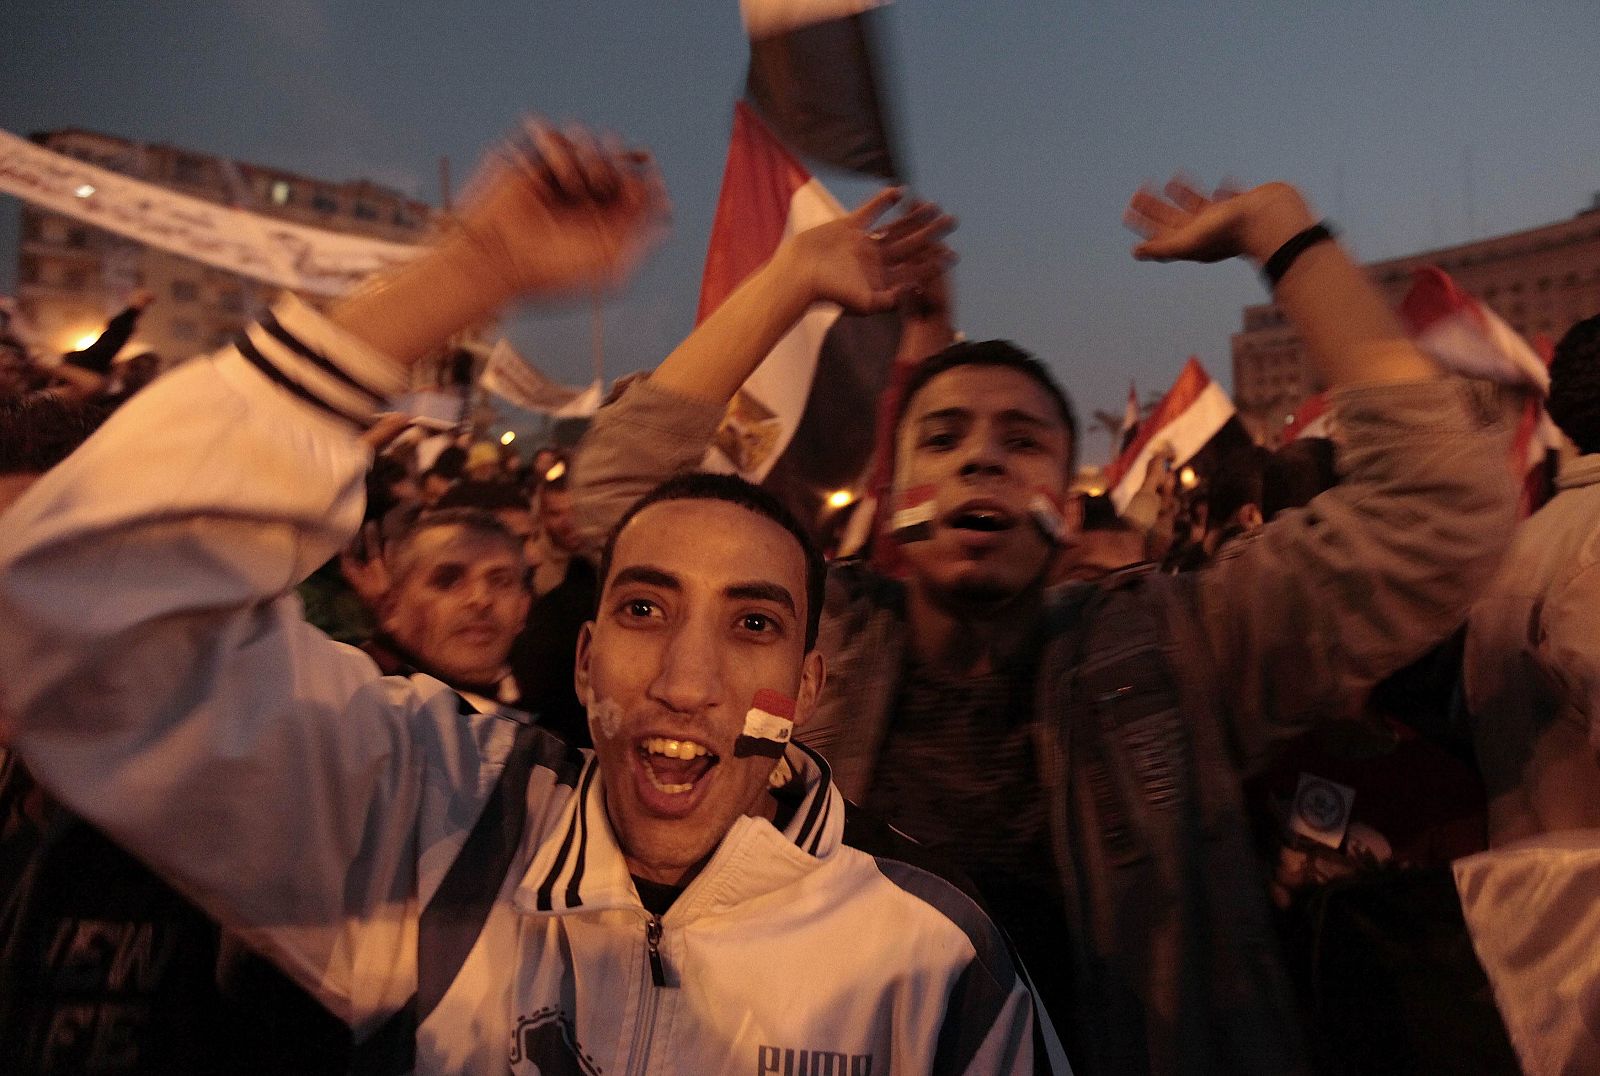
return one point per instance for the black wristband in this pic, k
(1274, 267)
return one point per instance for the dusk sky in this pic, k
(1412, 125)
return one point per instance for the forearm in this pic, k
(1351, 333)
(414, 309)
(724, 350)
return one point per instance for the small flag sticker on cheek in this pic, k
(914, 510)
(1046, 515)
(768, 724)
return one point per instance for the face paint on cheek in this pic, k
(768, 724)
(605, 718)
(914, 510)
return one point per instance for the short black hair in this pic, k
(731, 489)
(40, 429)
(1574, 402)
(487, 496)
(1001, 353)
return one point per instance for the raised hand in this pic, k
(1184, 224)
(562, 211)
(867, 271)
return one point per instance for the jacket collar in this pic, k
(579, 866)
(1582, 471)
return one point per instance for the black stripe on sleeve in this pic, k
(546, 897)
(573, 899)
(283, 380)
(276, 330)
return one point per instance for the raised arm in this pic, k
(663, 424)
(1332, 598)
(159, 677)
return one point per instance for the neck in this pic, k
(969, 638)
(681, 874)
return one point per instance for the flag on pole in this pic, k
(1465, 335)
(1188, 416)
(814, 78)
(813, 395)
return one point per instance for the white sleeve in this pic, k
(160, 680)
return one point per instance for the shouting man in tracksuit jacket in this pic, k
(466, 891)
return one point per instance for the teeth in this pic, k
(662, 786)
(685, 749)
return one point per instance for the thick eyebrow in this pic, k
(647, 576)
(1010, 414)
(763, 592)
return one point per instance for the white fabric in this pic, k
(164, 685)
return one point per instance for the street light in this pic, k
(84, 190)
(1188, 478)
(507, 437)
(85, 341)
(840, 497)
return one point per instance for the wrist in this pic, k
(1278, 214)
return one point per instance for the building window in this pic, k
(364, 211)
(323, 202)
(281, 192)
(77, 238)
(185, 291)
(231, 301)
(184, 329)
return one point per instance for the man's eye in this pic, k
(1023, 443)
(939, 439)
(759, 624)
(640, 608)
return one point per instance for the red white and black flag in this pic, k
(802, 423)
(1188, 417)
(815, 78)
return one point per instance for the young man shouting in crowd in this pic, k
(468, 893)
(1079, 751)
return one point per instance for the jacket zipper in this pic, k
(652, 944)
(649, 997)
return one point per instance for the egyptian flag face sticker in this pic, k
(914, 510)
(768, 725)
(1047, 516)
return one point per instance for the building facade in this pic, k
(72, 276)
(1541, 281)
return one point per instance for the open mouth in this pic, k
(985, 520)
(674, 767)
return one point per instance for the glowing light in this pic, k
(1188, 478)
(1288, 420)
(507, 437)
(1095, 491)
(84, 190)
(84, 341)
(556, 470)
(839, 498)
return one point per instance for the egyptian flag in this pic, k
(1188, 416)
(1312, 419)
(1468, 338)
(802, 424)
(814, 78)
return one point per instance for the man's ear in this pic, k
(1250, 517)
(580, 669)
(813, 675)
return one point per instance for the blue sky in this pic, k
(1032, 121)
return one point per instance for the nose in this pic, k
(689, 679)
(985, 456)
(480, 594)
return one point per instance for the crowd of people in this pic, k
(331, 742)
